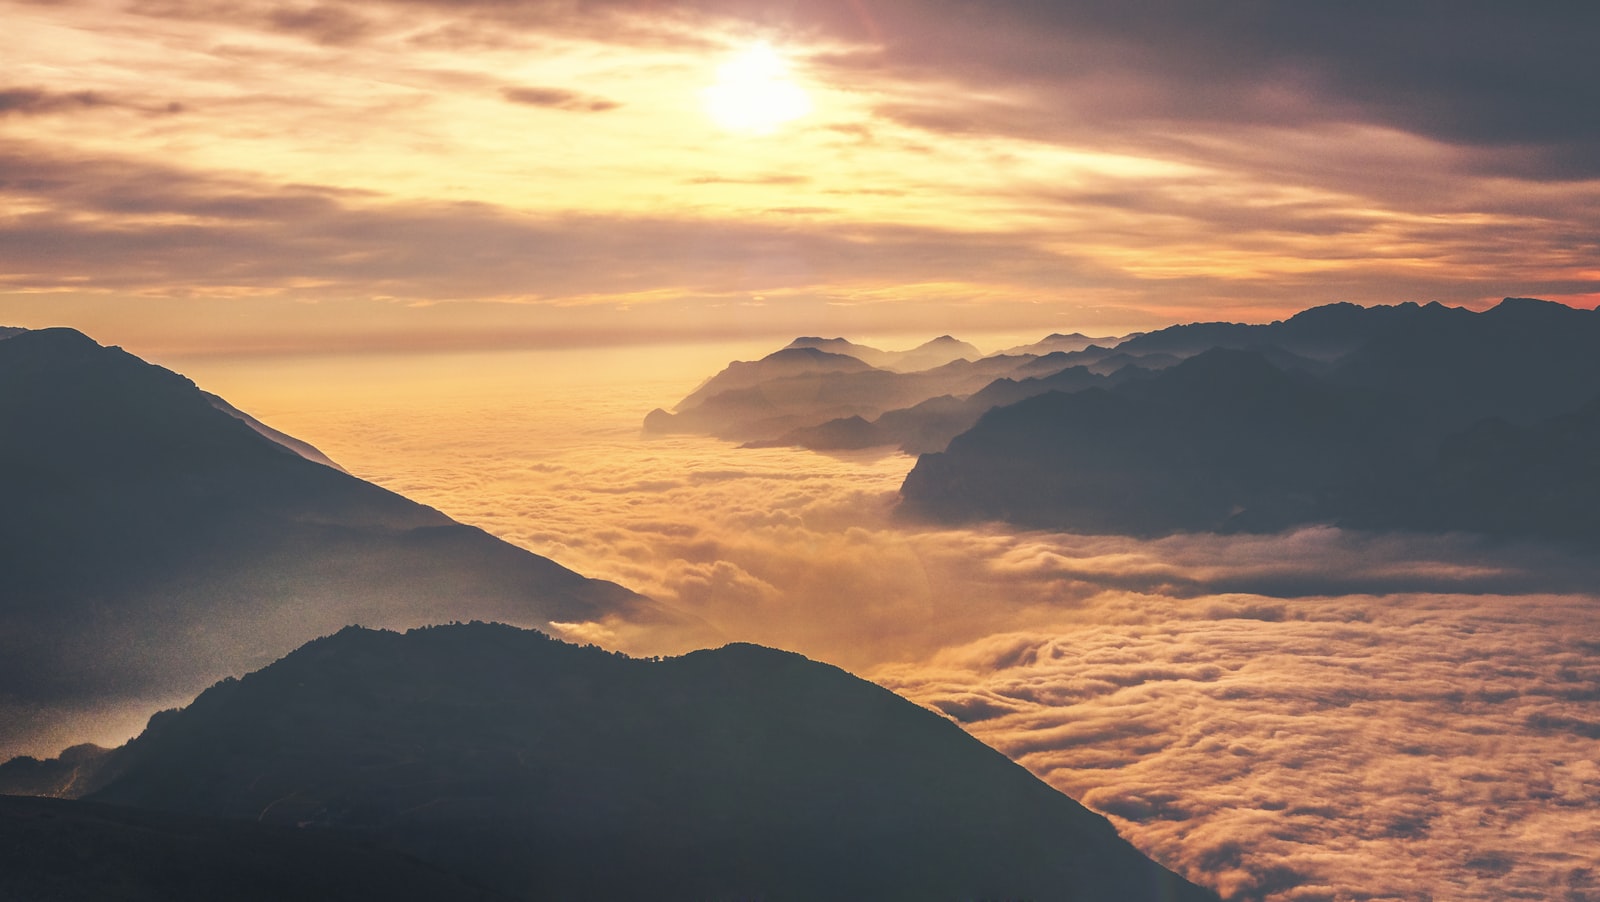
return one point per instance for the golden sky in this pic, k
(193, 174)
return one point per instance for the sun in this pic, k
(754, 94)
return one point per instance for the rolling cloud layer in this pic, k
(1313, 715)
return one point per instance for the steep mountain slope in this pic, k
(151, 543)
(552, 771)
(302, 448)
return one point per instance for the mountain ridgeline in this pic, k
(154, 540)
(1406, 417)
(542, 770)
(1429, 419)
(832, 394)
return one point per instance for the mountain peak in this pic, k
(738, 772)
(1529, 305)
(934, 352)
(55, 340)
(804, 352)
(813, 341)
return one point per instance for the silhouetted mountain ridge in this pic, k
(303, 448)
(548, 770)
(1433, 418)
(776, 401)
(1057, 343)
(801, 387)
(151, 543)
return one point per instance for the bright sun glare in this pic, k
(754, 94)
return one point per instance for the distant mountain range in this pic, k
(1057, 343)
(1412, 417)
(799, 387)
(153, 539)
(929, 354)
(542, 770)
(833, 394)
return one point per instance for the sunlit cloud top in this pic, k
(260, 174)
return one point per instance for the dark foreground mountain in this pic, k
(151, 543)
(1425, 418)
(67, 851)
(551, 771)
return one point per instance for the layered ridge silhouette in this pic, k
(1409, 417)
(832, 394)
(152, 542)
(547, 770)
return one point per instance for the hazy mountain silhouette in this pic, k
(1097, 360)
(930, 425)
(1427, 418)
(546, 770)
(936, 352)
(784, 364)
(151, 543)
(830, 394)
(929, 354)
(1056, 343)
(67, 851)
(868, 355)
(801, 387)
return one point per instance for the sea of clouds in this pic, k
(1313, 715)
